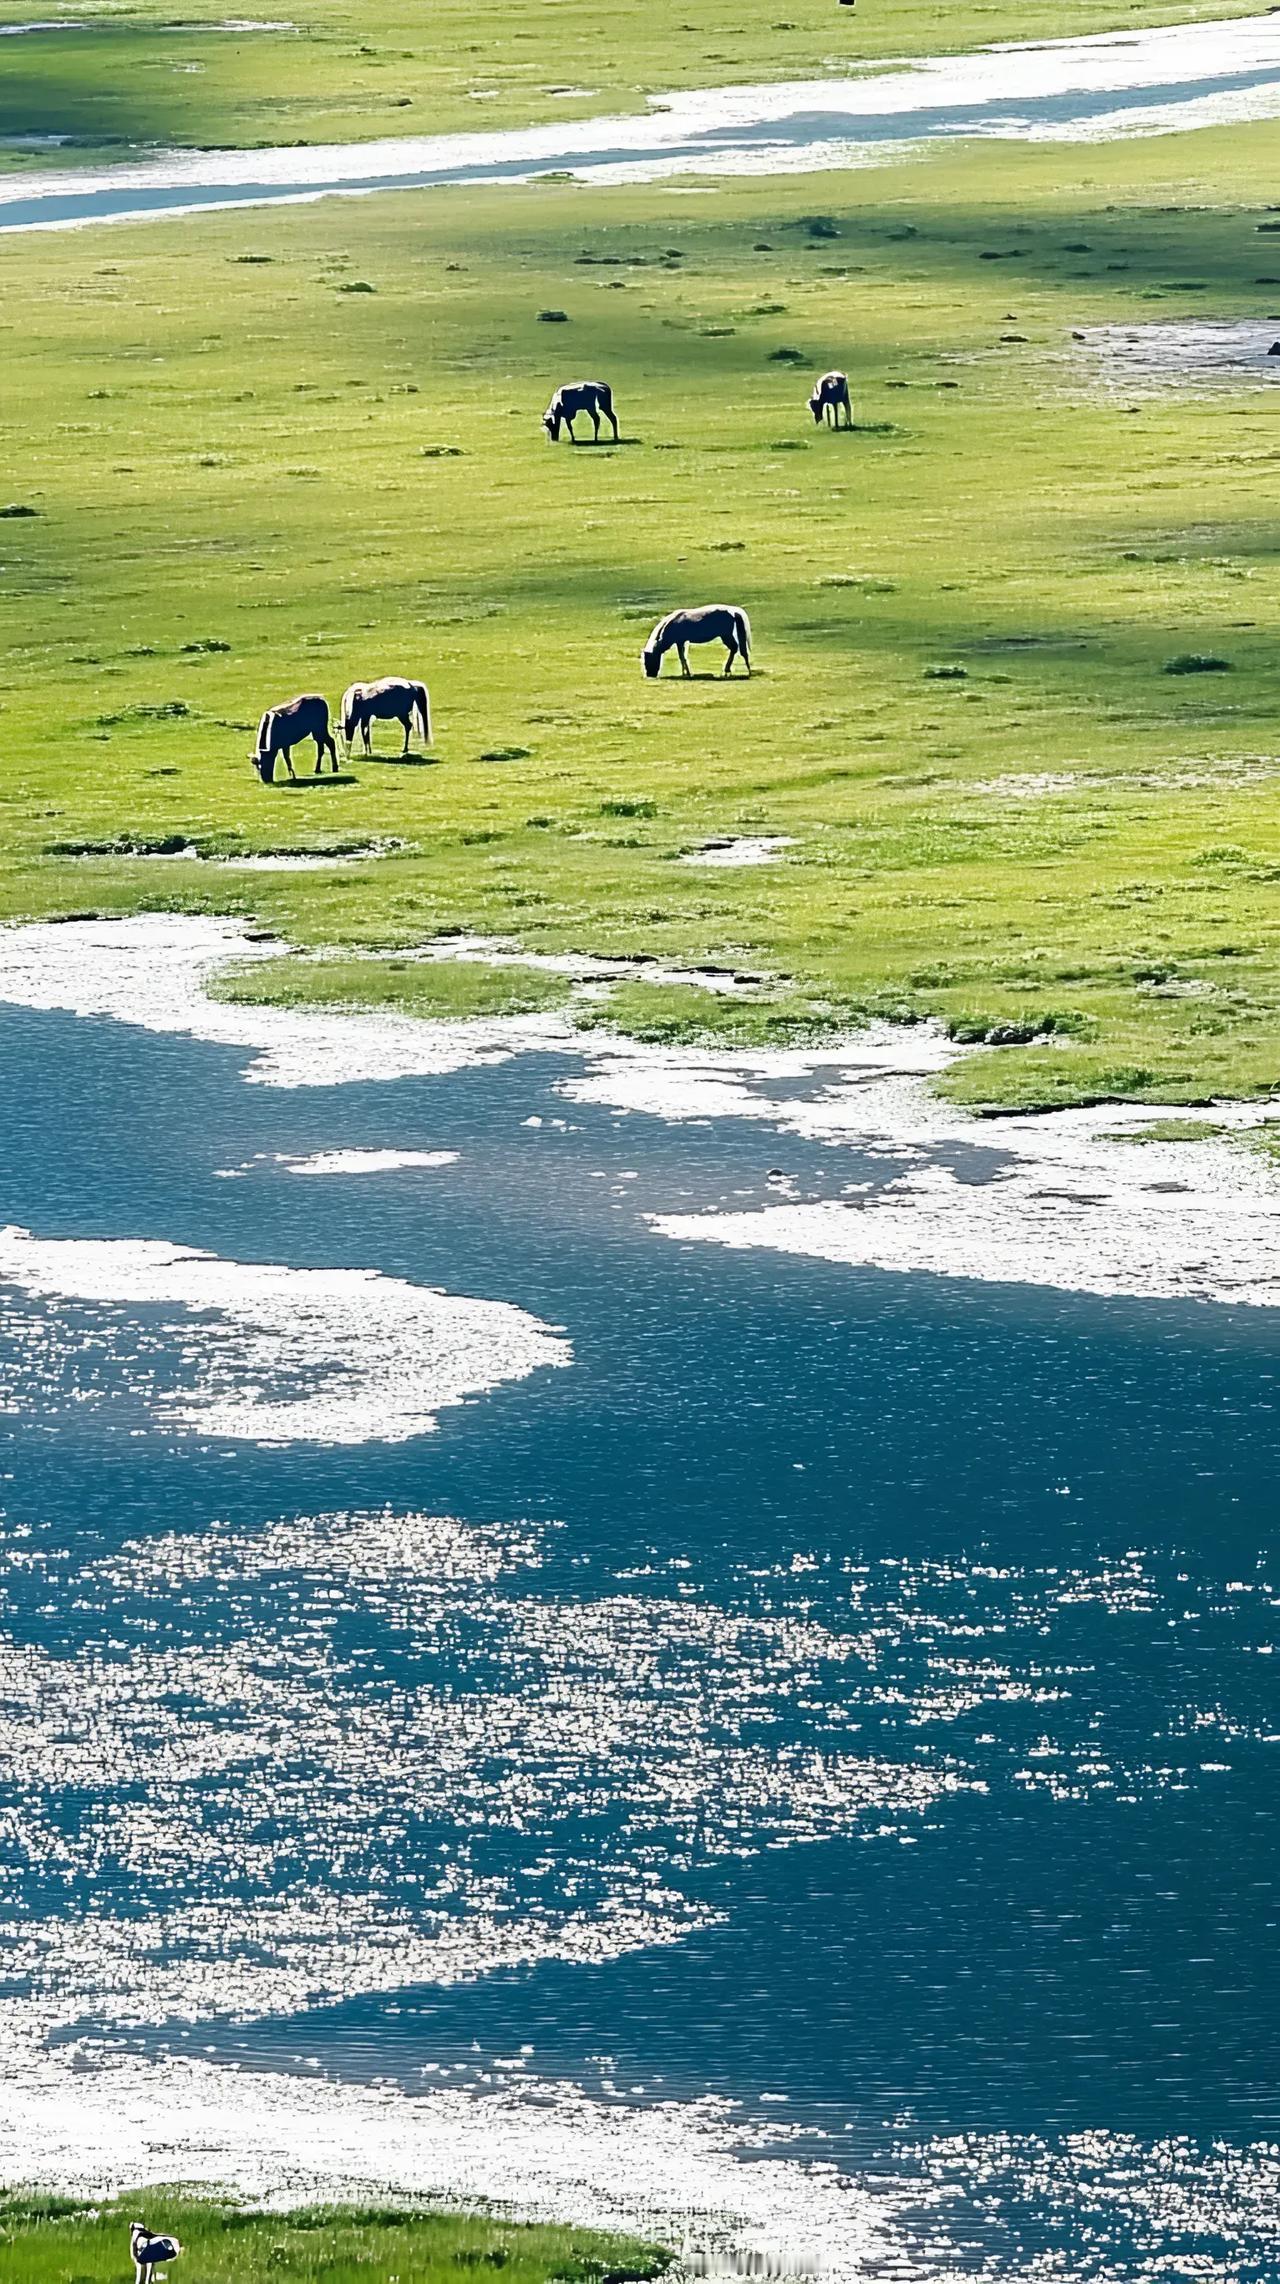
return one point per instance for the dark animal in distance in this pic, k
(571, 401)
(711, 622)
(830, 394)
(149, 2251)
(390, 700)
(284, 727)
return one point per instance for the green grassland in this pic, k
(250, 479)
(350, 69)
(52, 2240)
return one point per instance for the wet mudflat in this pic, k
(843, 1695)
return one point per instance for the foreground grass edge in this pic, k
(50, 2239)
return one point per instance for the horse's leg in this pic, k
(407, 719)
(613, 422)
(569, 425)
(287, 751)
(595, 426)
(731, 646)
(684, 658)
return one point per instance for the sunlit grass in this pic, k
(1064, 846)
(445, 990)
(52, 2240)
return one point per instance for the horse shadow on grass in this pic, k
(404, 760)
(314, 784)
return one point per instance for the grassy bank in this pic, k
(52, 2240)
(248, 477)
(335, 70)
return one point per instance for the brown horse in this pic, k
(390, 700)
(284, 727)
(711, 622)
(575, 398)
(831, 395)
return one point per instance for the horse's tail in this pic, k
(422, 700)
(742, 629)
(605, 394)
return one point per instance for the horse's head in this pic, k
(551, 422)
(651, 660)
(265, 764)
(815, 406)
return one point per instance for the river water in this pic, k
(1152, 81)
(791, 1741)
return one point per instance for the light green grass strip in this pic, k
(52, 2240)
(445, 990)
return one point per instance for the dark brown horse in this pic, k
(284, 727)
(390, 700)
(711, 622)
(571, 401)
(831, 396)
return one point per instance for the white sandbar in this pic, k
(376, 1357)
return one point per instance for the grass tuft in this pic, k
(442, 990)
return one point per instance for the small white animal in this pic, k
(150, 2252)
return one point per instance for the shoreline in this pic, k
(1104, 1201)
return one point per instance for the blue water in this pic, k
(893, 1642)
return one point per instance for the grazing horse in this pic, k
(829, 395)
(284, 727)
(712, 622)
(390, 700)
(576, 397)
(150, 2252)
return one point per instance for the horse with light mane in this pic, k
(390, 700)
(284, 727)
(830, 394)
(571, 401)
(710, 622)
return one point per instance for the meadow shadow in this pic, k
(405, 760)
(314, 784)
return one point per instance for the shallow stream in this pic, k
(1145, 82)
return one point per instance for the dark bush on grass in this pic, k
(946, 674)
(553, 317)
(1197, 662)
(357, 285)
(1019, 1030)
(172, 710)
(628, 808)
(788, 357)
(15, 509)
